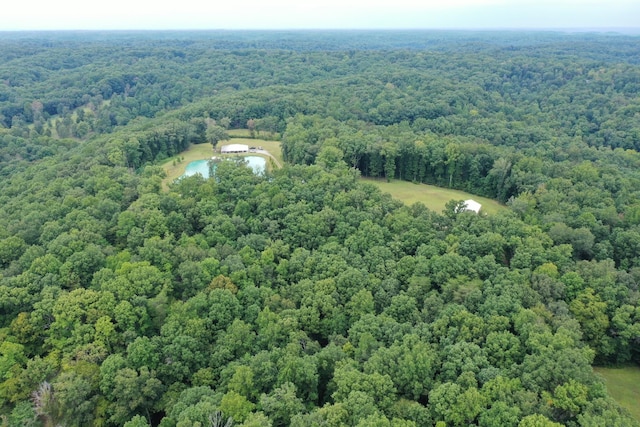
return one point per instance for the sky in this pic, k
(325, 14)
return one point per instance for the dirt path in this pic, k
(266, 153)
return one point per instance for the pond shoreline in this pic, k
(257, 163)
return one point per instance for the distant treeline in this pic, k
(306, 297)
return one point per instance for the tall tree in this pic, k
(215, 134)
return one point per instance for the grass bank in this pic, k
(623, 385)
(435, 198)
(272, 147)
(174, 167)
(246, 133)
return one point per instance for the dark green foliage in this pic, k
(306, 297)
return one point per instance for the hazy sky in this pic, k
(290, 14)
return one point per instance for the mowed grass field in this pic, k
(194, 152)
(272, 147)
(435, 198)
(238, 133)
(245, 133)
(204, 151)
(624, 386)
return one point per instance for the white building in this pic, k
(234, 148)
(472, 205)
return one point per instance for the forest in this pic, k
(305, 296)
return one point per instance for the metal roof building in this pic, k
(234, 148)
(472, 205)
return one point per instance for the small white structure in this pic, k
(234, 148)
(472, 205)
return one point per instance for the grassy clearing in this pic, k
(204, 151)
(272, 147)
(176, 170)
(244, 133)
(624, 386)
(239, 133)
(435, 198)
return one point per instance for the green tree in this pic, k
(411, 366)
(137, 421)
(236, 406)
(282, 404)
(76, 395)
(452, 152)
(46, 406)
(215, 134)
(591, 312)
(11, 248)
(256, 419)
(537, 420)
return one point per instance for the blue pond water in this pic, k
(198, 166)
(202, 166)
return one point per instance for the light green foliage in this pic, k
(282, 404)
(377, 420)
(199, 414)
(256, 419)
(410, 365)
(301, 372)
(331, 415)
(75, 316)
(137, 421)
(10, 249)
(236, 406)
(306, 296)
(456, 406)
(378, 386)
(500, 414)
(330, 156)
(216, 134)
(242, 382)
(129, 390)
(143, 352)
(537, 420)
(360, 406)
(569, 398)
(22, 415)
(139, 279)
(591, 313)
(76, 395)
(503, 349)
(203, 396)
(11, 357)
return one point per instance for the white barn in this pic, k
(234, 148)
(472, 205)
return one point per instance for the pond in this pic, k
(256, 163)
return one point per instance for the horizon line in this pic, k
(297, 29)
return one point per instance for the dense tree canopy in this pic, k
(305, 297)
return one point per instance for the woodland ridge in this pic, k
(307, 297)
